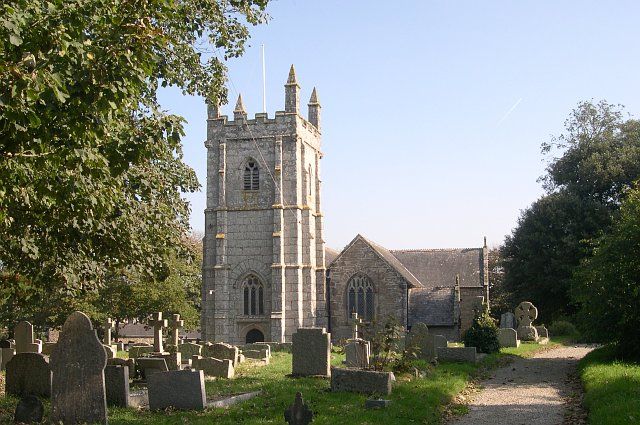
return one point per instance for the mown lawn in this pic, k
(612, 388)
(414, 400)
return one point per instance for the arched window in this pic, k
(251, 176)
(360, 297)
(253, 296)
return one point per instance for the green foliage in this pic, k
(483, 334)
(612, 388)
(608, 284)
(562, 328)
(91, 170)
(501, 300)
(384, 342)
(596, 161)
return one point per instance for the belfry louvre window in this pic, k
(251, 176)
(253, 293)
(360, 297)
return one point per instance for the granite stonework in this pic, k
(23, 334)
(508, 337)
(213, 367)
(136, 351)
(270, 233)
(508, 320)
(189, 349)
(77, 365)
(116, 383)
(28, 374)
(221, 351)
(457, 354)
(311, 352)
(151, 365)
(357, 353)
(361, 381)
(526, 313)
(178, 389)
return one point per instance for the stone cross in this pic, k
(355, 321)
(77, 385)
(298, 413)
(158, 325)
(108, 325)
(176, 325)
(526, 313)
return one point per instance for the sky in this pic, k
(433, 111)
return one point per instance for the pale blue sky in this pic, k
(420, 150)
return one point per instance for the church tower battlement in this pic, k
(264, 265)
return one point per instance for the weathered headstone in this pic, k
(426, 343)
(213, 367)
(458, 354)
(298, 413)
(526, 313)
(189, 349)
(179, 389)
(262, 355)
(77, 363)
(176, 325)
(47, 348)
(109, 325)
(258, 346)
(508, 320)
(28, 374)
(116, 383)
(361, 381)
(311, 352)
(150, 365)
(139, 351)
(128, 363)
(29, 410)
(357, 353)
(376, 403)
(6, 354)
(508, 337)
(542, 332)
(25, 343)
(158, 324)
(173, 360)
(220, 350)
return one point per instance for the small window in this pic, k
(253, 294)
(251, 176)
(360, 297)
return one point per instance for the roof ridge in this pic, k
(432, 249)
(378, 247)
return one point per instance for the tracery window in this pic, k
(253, 296)
(251, 176)
(360, 297)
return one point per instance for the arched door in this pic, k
(254, 335)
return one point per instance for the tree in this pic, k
(607, 285)
(501, 299)
(597, 159)
(91, 170)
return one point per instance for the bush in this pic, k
(483, 334)
(562, 328)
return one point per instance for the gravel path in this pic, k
(527, 391)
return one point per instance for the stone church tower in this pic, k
(264, 264)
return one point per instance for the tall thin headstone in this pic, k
(158, 324)
(25, 343)
(78, 362)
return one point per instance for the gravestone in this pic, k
(28, 374)
(128, 363)
(6, 354)
(189, 349)
(139, 351)
(109, 325)
(222, 351)
(526, 313)
(357, 353)
(29, 410)
(151, 365)
(23, 335)
(361, 381)
(47, 348)
(158, 324)
(508, 320)
(298, 413)
(458, 354)
(258, 346)
(376, 403)
(213, 367)
(77, 363)
(116, 383)
(178, 389)
(427, 344)
(508, 337)
(173, 360)
(176, 325)
(542, 332)
(261, 354)
(311, 352)
(109, 350)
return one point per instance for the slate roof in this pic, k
(439, 267)
(432, 306)
(330, 254)
(393, 262)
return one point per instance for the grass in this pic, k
(414, 400)
(612, 388)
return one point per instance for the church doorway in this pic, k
(254, 335)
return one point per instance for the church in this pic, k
(266, 270)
